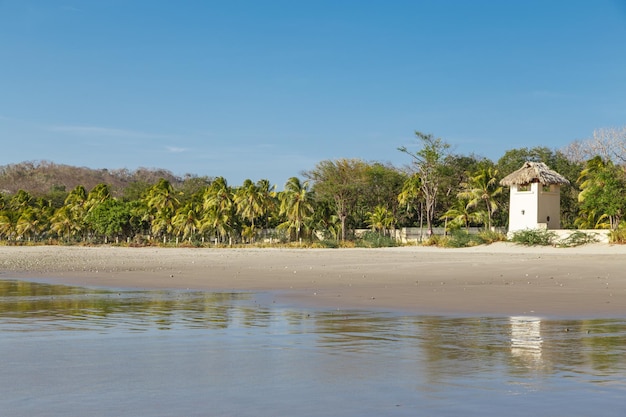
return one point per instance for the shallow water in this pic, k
(90, 352)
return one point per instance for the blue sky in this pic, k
(266, 89)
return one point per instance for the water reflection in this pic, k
(30, 306)
(526, 340)
(232, 334)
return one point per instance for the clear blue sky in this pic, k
(266, 89)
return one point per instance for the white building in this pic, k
(535, 197)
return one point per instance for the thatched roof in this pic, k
(534, 172)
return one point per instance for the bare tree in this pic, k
(607, 143)
(429, 162)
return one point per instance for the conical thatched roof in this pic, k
(534, 172)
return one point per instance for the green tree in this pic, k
(268, 200)
(72, 221)
(460, 215)
(63, 223)
(110, 219)
(411, 196)
(482, 189)
(162, 203)
(219, 209)
(380, 219)
(341, 181)
(296, 204)
(187, 221)
(248, 203)
(8, 220)
(382, 184)
(603, 190)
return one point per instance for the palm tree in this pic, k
(7, 224)
(296, 204)
(482, 188)
(461, 215)
(603, 190)
(411, 196)
(26, 222)
(248, 202)
(76, 204)
(162, 203)
(267, 193)
(63, 223)
(186, 221)
(381, 219)
(99, 194)
(218, 206)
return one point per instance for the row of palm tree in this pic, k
(216, 212)
(328, 206)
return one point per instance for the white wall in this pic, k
(523, 208)
(549, 207)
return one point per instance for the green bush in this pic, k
(577, 238)
(375, 240)
(326, 243)
(618, 236)
(534, 237)
(462, 239)
(489, 236)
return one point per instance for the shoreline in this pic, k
(499, 279)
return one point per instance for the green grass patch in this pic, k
(375, 240)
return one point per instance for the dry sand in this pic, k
(499, 279)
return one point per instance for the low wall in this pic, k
(407, 235)
(601, 235)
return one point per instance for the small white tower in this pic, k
(535, 201)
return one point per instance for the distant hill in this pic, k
(42, 177)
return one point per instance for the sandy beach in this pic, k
(498, 279)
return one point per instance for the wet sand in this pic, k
(498, 279)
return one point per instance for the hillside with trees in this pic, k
(46, 202)
(42, 177)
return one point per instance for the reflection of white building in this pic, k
(526, 341)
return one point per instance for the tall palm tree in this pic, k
(63, 223)
(218, 206)
(162, 203)
(267, 193)
(482, 188)
(248, 202)
(296, 203)
(76, 204)
(27, 223)
(186, 221)
(411, 196)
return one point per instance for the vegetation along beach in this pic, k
(335, 237)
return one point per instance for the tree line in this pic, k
(328, 202)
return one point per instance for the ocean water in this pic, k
(70, 351)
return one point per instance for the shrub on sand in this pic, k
(577, 238)
(534, 237)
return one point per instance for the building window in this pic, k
(523, 188)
